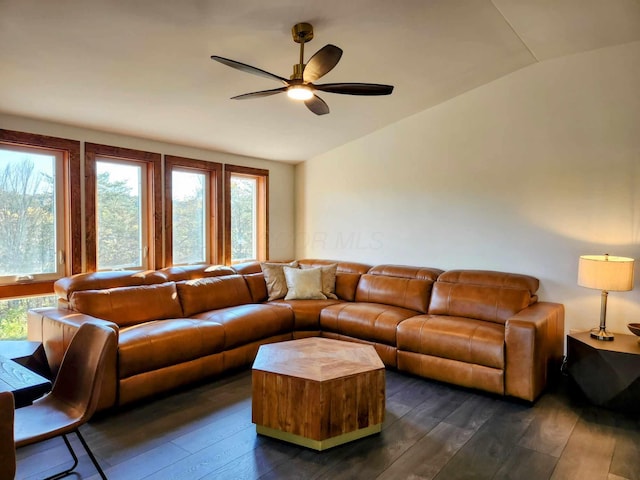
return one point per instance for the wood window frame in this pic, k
(213, 170)
(154, 194)
(263, 209)
(72, 216)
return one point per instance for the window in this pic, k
(39, 212)
(246, 222)
(121, 226)
(123, 208)
(192, 218)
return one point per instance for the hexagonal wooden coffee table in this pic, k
(318, 392)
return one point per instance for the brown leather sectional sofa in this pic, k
(478, 329)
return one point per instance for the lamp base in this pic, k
(601, 334)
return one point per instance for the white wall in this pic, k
(281, 175)
(522, 175)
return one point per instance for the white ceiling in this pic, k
(142, 67)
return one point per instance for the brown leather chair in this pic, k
(74, 396)
(7, 447)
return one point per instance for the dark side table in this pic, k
(23, 370)
(28, 354)
(607, 372)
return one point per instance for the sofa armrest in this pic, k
(534, 346)
(55, 327)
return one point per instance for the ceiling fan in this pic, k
(300, 85)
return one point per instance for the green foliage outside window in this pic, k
(119, 243)
(13, 315)
(27, 223)
(189, 223)
(243, 219)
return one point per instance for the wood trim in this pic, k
(154, 173)
(258, 172)
(73, 216)
(214, 171)
(263, 209)
(156, 162)
(26, 289)
(90, 208)
(217, 197)
(227, 216)
(264, 213)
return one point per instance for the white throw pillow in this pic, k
(328, 279)
(303, 284)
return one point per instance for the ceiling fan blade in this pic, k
(355, 88)
(317, 105)
(248, 68)
(321, 63)
(262, 93)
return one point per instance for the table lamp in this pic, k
(606, 273)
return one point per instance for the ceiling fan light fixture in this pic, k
(299, 92)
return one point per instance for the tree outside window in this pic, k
(246, 209)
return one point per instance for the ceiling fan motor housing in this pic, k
(302, 32)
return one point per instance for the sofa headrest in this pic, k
(483, 295)
(64, 287)
(343, 267)
(247, 268)
(403, 271)
(491, 278)
(191, 272)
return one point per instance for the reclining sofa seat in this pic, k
(485, 330)
(175, 326)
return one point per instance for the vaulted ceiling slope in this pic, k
(143, 68)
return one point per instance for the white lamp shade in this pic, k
(606, 272)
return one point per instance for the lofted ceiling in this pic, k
(143, 67)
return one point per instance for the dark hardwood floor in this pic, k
(431, 431)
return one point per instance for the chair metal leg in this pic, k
(91, 456)
(75, 459)
(69, 470)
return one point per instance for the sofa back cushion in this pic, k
(252, 273)
(484, 295)
(397, 285)
(129, 305)
(212, 293)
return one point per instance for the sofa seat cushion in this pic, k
(249, 323)
(456, 338)
(306, 312)
(374, 322)
(161, 343)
